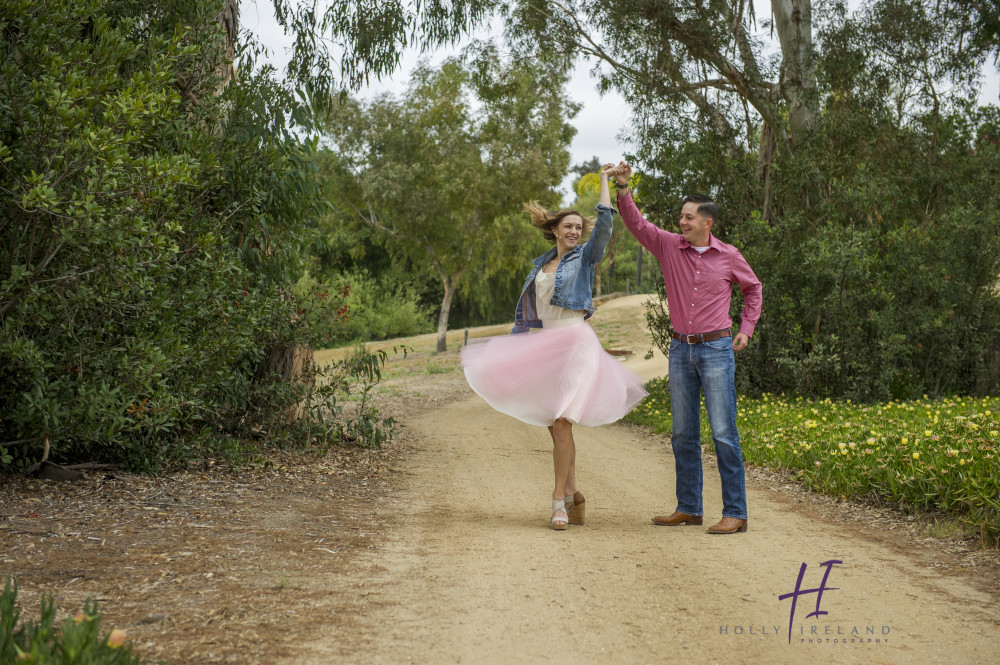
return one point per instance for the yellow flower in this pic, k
(905, 441)
(916, 456)
(993, 432)
(852, 445)
(961, 462)
(871, 440)
(841, 445)
(927, 432)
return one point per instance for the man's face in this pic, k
(694, 227)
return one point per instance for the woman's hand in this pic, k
(605, 197)
(621, 173)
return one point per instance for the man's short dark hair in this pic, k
(706, 206)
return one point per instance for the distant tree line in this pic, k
(853, 164)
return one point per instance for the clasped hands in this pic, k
(620, 173)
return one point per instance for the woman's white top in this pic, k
(552, 316)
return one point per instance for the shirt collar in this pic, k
(713, 243)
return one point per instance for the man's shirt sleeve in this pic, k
(753, 293)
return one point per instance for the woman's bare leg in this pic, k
(563, 458)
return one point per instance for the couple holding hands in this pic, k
(560, 375)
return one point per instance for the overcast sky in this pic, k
(597, 123)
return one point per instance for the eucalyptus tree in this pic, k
(713, 66)
(442, 171)
(806, 124)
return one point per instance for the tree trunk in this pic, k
(229, 19)
(765, 157)
(638, 270)
(449, 291)
(793, 22)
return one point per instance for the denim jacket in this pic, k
(574, 276)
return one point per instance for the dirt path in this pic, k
(470, 572)
(437, 550)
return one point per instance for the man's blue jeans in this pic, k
(708, 367)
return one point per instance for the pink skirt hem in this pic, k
(554, 373)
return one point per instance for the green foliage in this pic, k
(78, 641)
(878, 239)
(373, 308)
(363, 426)
(442, 182)
(150, 235)
(883, 285)
(923, 455)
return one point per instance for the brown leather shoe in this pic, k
(676, 519)
(729, 525)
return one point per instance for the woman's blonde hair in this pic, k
(546, 220)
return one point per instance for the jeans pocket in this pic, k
(721, 344)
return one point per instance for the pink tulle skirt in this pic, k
(559, 372)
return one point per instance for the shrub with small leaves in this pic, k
(79, 640)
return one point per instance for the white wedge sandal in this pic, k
(559, 521)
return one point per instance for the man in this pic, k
(699, 271)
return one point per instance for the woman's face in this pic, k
(568, 232)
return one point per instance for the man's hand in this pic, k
(623, 172)
(740, 341)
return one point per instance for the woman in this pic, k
(559, 375)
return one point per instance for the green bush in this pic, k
(373, 308)
(149, 240)
(880, 277)
(78, 641)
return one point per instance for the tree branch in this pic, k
(372, 220)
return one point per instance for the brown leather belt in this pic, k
(698, 339)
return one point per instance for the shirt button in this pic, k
(696, 288)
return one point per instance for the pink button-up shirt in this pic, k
(699, 286)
